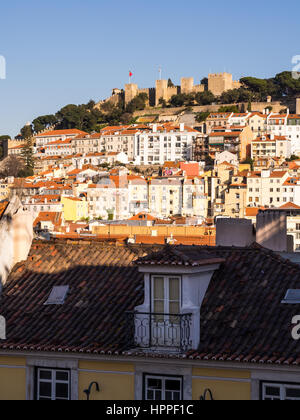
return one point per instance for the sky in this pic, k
(71, 51)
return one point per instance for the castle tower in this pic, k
(131, 91)
(187, 84)
(219, 83)
(161, 91)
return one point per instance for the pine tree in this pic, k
(28, 158)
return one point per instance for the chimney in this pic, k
(234, 232)
(154, 128)
(271, 230)
(182, 127)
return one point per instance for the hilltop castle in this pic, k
(217, 84)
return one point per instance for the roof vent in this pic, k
(57, 295)
(292, 296)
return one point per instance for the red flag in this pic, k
(130, 74)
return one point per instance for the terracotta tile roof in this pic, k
(143, 216)
(253, 211)
(102, 289)
(187, 256)
(291, 182)
(289, 206)
(53, 217)
(225, 134)
(56, 133)
(3, 207)
(242, 317)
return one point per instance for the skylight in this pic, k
(292, 296)
(57, 295)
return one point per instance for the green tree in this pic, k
(202, 116)
(4, 138)
(26, 131)
(137, 104)
(230, 108)
(205, 98)
(162, 102)
(43, 122)
(27, 155)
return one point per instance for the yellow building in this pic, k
(74, 208)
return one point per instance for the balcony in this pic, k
(160, 331)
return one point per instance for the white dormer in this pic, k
(176, 281)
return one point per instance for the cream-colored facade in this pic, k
(266, 188)
(271, 146)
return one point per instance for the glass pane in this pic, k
(150, 395)
(154, 384)
(174, 289)
(174, 308)
(158, 396)
(272, 390)
(159, 307)
(62, 376)
(45, 374)
(173, 385)
(176, 396)
(45, 389)
(159, 292)
(169, 396)
(293, 393)
(62, 390)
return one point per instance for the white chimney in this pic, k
(182, 127)
(154, 128)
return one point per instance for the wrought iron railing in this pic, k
(160, 331)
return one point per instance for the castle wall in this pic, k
(163, 91)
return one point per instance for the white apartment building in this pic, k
(287, 125)
(51, 136)
(267, 189)
(164, 143)
(86, 144)
(177, 196)
(195, 202)
(119, 139)
(138, 195)
(109, 197)
(271, 146)
(291, 191)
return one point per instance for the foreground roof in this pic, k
(242, 317)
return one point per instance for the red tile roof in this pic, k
(3, 207)
(104, 283)
(56, 133)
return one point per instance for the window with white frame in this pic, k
(280, 392)
(53, 384)
(163, 388)
(166, 295)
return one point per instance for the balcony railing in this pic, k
(160, 331)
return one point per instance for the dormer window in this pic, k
(176, 281)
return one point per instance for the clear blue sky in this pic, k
(70, 51)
